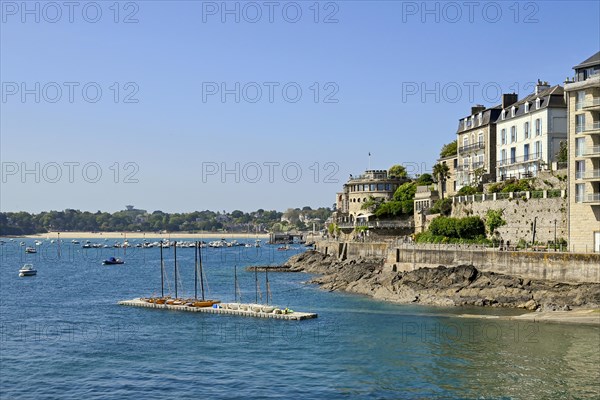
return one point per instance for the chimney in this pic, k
(509, 99)
(541, 86)
(476, 109)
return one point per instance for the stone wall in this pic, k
(519, 215)
(555, 266)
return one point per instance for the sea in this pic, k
(63, 335)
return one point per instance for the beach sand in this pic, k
(146, 235)
(586, 316)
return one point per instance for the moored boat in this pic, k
(113, 261)
(27, 270)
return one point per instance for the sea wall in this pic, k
(554, 266)
(519, 214)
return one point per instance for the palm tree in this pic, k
(441, 172)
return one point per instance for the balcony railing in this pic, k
(588, 151)
(478, 164)
(587, 128)
(591, 198)
(464, 167)
(522, 159)
(593, 174)
(594, 102)
(473, 146)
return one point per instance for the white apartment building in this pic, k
(529, 133)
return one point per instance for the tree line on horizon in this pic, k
(259, 221)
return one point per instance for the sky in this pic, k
(192, 105)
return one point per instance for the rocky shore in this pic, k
(453, 286)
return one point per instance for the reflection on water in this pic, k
(64, 326)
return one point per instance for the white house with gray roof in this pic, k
(529, 133)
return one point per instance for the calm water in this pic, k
(64, 336)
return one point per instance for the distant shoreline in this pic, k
(142, 235)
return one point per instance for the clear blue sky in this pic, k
(371, 61)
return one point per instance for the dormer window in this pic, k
(513, 111)
(526, 107)
(537, 103)
(480, 118)
(503, 114)
(465, 123)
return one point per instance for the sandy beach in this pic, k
(145, 235)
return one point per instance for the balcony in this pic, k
(461, 168)
(478, 164)
(593, 151)
(592, 104)
(593, 175)
(471, 147)
(530, 158)
(378, 224)
(592, 198)
(588, 129)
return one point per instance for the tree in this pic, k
(478, 174)
(494, 220)
(562, 156)
(449, 149)
(441, 172)
(424, 180)
(397, 171)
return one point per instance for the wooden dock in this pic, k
(242, 310)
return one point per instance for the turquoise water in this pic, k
(64, 336)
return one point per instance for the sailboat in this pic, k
(198, 274)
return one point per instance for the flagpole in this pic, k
(369, 160)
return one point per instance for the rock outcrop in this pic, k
(443, 286)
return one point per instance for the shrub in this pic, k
(458, 228)
(442, 206)
(467, 190)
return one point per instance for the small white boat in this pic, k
(27, 270)
(30, 250)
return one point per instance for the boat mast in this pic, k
(175, 256)
(256, 282)
(196, 272)
(162, 272)
(235, 282)
(267, 283)
(201, 275)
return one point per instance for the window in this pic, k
(380, 186)
(465, 141)
(538, 149)
(513, 155)
(579, 147)
(372, 187)
(503, 114)
(388, 187)
(503, 136)
(580, 100)
(579, 123)
(526, 129)
(503, 157)
(466, 163)
(513, 134)
(538, 101)
(526, 107)
(579, 169)
(480, 160)
(480, 139)
(579, 192)
(538, 127)
(526, 152)
(480, 118)
(513, 111)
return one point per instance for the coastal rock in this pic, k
(442, 286)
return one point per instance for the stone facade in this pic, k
(373, 184)
(583, 102)
(449, 187)
(520, 215)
